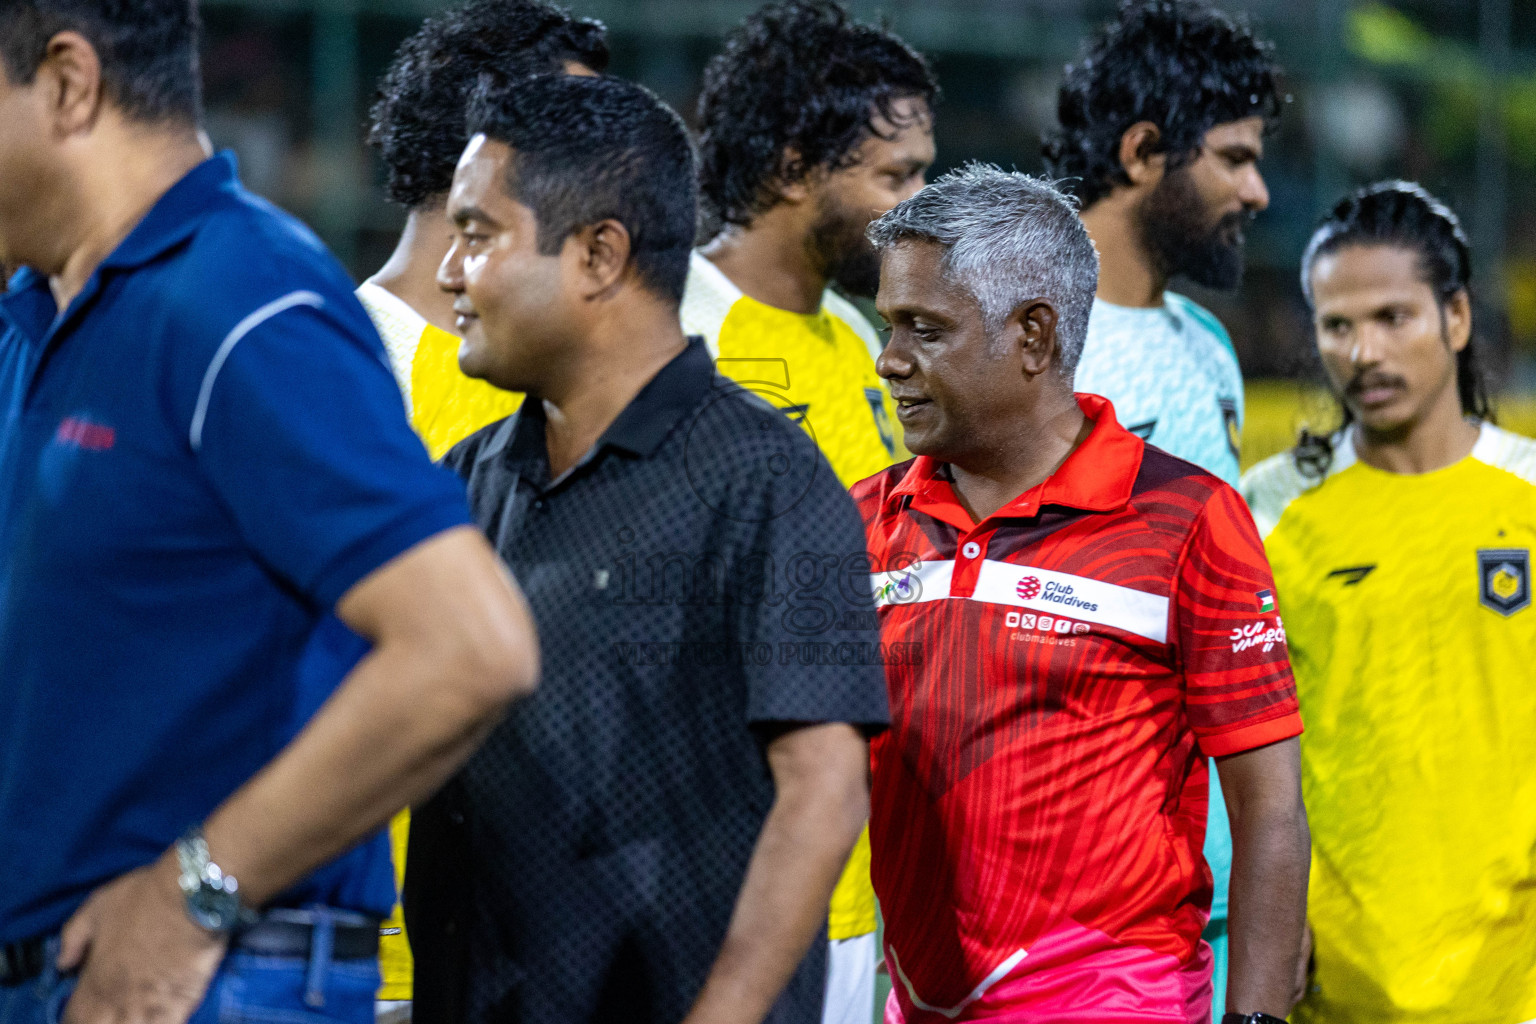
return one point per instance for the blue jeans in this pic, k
(248, 989)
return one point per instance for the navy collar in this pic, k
(177, 214)
(638, 431)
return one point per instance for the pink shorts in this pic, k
(1116, 986)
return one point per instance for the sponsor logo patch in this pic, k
(1261, 634)
(1353, 574)
(1028, 588)
(896, 590)
(79, 432)
(1504, 579)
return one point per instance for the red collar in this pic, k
(1096, 477)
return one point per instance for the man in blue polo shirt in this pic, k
(202, 457)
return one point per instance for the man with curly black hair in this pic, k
(418, 130)
(1162, 126)
(811, 125)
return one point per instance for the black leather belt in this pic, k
(22, 961)
(281, 932)
(291, 933)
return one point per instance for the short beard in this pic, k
(839, 249)
(1175, 231)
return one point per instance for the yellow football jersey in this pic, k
(1408, 606)
(444, 407)
(820, 369)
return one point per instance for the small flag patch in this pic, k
(1266, 600)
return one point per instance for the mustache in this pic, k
(1235, 222)
(1366, 379)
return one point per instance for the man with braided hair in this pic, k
(1401, 544)
(811, 125)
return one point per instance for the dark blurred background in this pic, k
(1439, 91)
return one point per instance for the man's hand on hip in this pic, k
(141, 958)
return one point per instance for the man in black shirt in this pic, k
(654, 837)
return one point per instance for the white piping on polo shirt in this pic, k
(997, 975)
(244, 327)
(1082, 598)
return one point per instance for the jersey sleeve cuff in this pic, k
(1251, 737)
(396, 539)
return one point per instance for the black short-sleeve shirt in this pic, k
(699, 581)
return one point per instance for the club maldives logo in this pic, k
(1056, 592)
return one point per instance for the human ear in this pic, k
(603, 251)
(794, 184)
(70, 77)
(1138, 154)
(1033, 326)
(1458, 320)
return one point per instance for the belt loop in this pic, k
(322, 940)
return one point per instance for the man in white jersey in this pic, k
(1162, 126)
(811, 125)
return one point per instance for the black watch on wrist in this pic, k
(1251, 1018)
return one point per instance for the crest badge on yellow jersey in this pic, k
(1234, 430)
(1504, 576)
(876, 399)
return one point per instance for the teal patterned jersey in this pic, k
(1173, 378)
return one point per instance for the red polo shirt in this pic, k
(1039, 802)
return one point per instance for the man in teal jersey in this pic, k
(1162, 126)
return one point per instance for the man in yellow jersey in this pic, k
(1401, 546)
(811, 125)
(418, 128)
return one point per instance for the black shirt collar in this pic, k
(639, 430)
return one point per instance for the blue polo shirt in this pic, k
(198, 458)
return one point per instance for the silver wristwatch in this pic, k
(212, 897)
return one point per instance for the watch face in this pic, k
(214, 908)
(212, 897)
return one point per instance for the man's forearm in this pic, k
(453, 645)
(784, 898)
(384, 741)
(1267, 911)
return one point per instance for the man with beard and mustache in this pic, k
(1162, 127)
(811, 126)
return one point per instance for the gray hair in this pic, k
(1008, 237)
